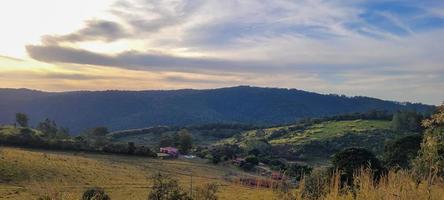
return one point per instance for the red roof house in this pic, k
(173, 152)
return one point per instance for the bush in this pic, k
(166, 188)
(206, 192)
(399, 153)
(252, 160)
(350, 160)
(278, 164)
(224, 152)
(297, 171)
(407, 121)
(95, 194)
(315, 185)
(430, 161)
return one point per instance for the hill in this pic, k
(311, 142)
(27, 174)
(315, 143)
(121, 110)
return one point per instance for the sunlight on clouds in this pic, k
(24, 22)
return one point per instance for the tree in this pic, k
(252, 159)
(99, 131)
(98, 136)
(166, 188)
(131, 147)
(400, 152)
(22, 119)
(249, 163)
(258, 147)
(225, 151)
(166, 141)
(62, 133)
(348, 161)
(430, 161)
(185, 141)
(48, 127)
(407, 121)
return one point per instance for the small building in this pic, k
(171, 151)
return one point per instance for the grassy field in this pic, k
(315, 143)
(26, 174)
(320, 131)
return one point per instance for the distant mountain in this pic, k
(135, 109)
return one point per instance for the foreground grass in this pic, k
(26, 174)
(396, 185)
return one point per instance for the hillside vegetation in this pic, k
(315, 143)
(312, 142)
(120, 110)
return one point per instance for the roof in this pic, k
(169, 148)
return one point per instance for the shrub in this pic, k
(430, 161)
(252, 160)
(166, 188)
(315, 185)
(399, 153)
(95, 194)
(348, 161)
(206, 192)
(297, 171)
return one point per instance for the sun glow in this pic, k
(24, 22)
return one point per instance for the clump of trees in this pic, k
(185, 141)
(51, 136)
(407, 121)
(224, 152)
(181, 139)
(50, 130)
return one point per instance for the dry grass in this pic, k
(400, 185)
(62, 175)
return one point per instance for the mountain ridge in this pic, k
(124, 109)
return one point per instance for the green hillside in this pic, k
(312, 142)
(315, 143)
(203, 135)
(14, 131)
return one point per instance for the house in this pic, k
(171, 151)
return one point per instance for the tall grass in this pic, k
(395, 185)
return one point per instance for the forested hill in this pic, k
(135, 109)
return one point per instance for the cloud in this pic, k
(94, 30)
(378, 46)
(153, 16)
(135, 60)
(11, 58)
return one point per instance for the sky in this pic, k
(389, 49)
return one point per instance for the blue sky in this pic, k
(385, 49)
